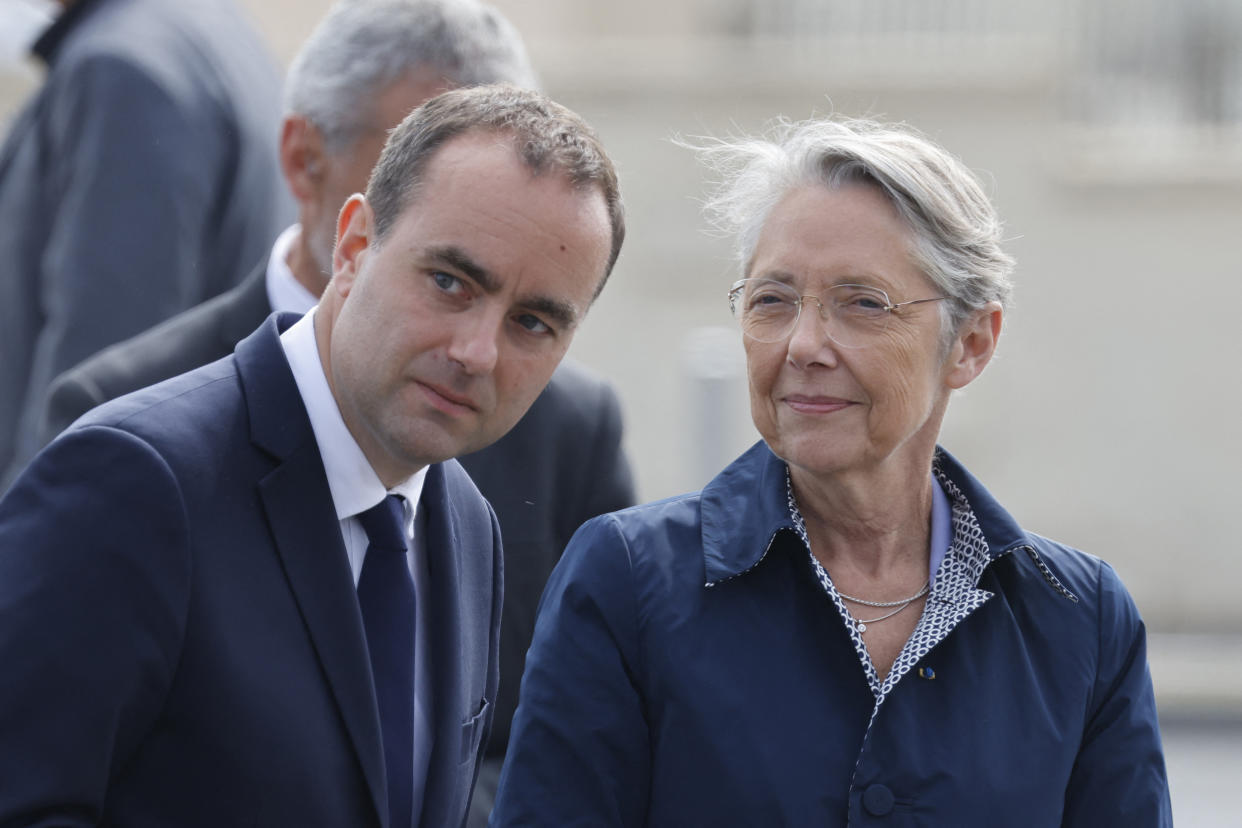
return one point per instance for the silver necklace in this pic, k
(861, 623)
(901, 603)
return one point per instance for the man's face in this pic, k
(347, 170)
(440, 337)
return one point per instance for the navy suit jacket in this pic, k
(180, 630)
(560, 466)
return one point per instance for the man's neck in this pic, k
(302, 265)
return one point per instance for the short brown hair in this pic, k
(546, 136)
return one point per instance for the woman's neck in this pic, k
(870, 529)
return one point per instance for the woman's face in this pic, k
(827, 409)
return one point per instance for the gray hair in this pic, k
(548, 138)
(363, 46)
(956, 232)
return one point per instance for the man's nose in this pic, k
(474, 342)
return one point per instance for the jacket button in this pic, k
(878, 800)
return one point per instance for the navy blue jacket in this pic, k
(179, 629)
(688, 668)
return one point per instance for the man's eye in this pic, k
(447, 283)
(533, 324)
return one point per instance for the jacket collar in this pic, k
(49, 42)
(269, 386)
(745, 506)
(743, 509)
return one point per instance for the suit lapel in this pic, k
(300, 512)
(446, 663)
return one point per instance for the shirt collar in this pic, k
(941, 534)
(354, 484)
(1000, 531)
(284, 291)
(45, 47)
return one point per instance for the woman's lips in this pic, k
(814, 404)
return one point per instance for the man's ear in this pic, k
(354, 227)
(302, 157)
(974, 346)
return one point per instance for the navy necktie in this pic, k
(386, 596)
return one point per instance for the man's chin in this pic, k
(437, 446)
(436, 439)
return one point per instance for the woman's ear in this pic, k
(974, 345)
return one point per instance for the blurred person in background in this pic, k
(263, 592)
(843, 627)
(367, 64)
(138, 181)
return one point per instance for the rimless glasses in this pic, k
(854, 316)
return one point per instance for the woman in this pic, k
(843, 627)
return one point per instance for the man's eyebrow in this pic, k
(458, 259)
(564, 314)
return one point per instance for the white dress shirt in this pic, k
(356, 488)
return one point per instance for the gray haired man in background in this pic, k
(368, 63)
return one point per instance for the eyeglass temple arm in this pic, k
(916, 302)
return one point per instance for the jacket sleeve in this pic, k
(1119, 777)
(135, 174)
(93, 584)
(579, 751)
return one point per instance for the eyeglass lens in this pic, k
(853, 315)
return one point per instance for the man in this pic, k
(140, 180)
(366, 65)
(563, 463)
(178, 618)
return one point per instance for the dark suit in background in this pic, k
(561, 465)
(198, 609)
(140, 180)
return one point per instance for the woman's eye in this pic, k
(768, 300)
(862, 301)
